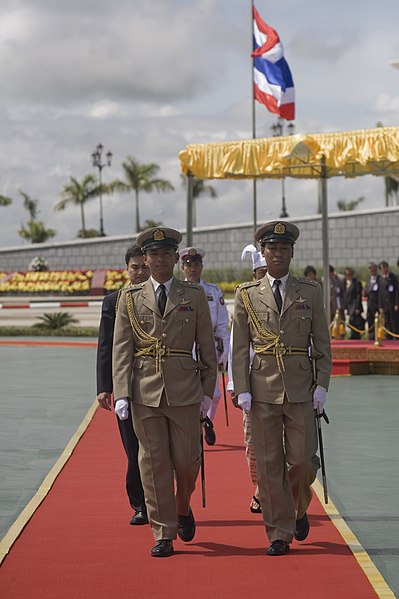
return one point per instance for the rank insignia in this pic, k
(158, 235)
(279, 229)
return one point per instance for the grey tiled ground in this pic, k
(362, 454)
(45, 393)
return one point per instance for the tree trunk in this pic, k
(137, 211)
(82, 214)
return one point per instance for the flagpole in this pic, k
(254, 200)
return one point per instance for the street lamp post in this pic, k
(97, 162)
(277, 131)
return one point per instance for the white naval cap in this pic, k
(191, 254)
(258, 260)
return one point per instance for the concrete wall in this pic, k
(354, 239)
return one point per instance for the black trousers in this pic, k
(134, 486)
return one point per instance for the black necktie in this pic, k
(162, 299)
(277, 294)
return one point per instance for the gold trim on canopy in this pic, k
(346, 153)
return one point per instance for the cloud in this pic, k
(147, 78)
(123, 51)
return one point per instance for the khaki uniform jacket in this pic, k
(302, 314)
(186, 322)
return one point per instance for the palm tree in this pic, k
(30, 205)
(55, 321)
(34, 230)
(4, 201)
(200, 188)
(141, 177)
(347, 206)
(391, 190)
(79, 192)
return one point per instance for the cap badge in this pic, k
(279, 229)
(192, 252)
(158, 235)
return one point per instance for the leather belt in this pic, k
(281, 350)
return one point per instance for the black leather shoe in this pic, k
(163, 548)
(139, 517)
(302, 528)
(278, 548)
(210, 436)
(186, 528)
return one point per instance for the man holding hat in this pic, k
(158, 323)
(279, 316)
(191, 258)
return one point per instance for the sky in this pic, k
(146, 78)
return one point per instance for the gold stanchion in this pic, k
(379, 325)
(336, 326)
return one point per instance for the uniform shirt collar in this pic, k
(155, 284)
(283, 280)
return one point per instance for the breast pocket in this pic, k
(302, 322)
(185, 323)
(146, 322)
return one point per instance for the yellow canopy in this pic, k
(318, 156)
(347, 153)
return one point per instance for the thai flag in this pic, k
(273, 84)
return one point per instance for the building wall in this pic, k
(355, 238)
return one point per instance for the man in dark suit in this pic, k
(370, 293)
(138, 272)
(388, 295)
(353, 302)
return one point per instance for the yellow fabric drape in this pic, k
(347, 153)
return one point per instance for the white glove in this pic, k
(205, 405)
(244, 401)
(121, 408)
(319, 399)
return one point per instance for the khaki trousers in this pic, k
(285, 442)
(169, 449)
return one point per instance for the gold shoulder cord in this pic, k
(154, 349)
(272, 341)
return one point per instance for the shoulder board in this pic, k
(307, 281)
(213, 285)
(190, 284)
(132, 287)
(248, 284)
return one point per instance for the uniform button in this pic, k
(186, 319)
(163, 360)
(163, 320)
(281, 332)
(141, 321)
(163, 334)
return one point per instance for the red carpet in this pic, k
(79, 543)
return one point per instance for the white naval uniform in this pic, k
(220, 323)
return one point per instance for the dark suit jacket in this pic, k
(353, 297)
(388, 292)
(371, 294)
(105, 342)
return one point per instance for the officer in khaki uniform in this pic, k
(158, 323)
(278, 320)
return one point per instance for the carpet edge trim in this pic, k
(365, 562)
(22, 520)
